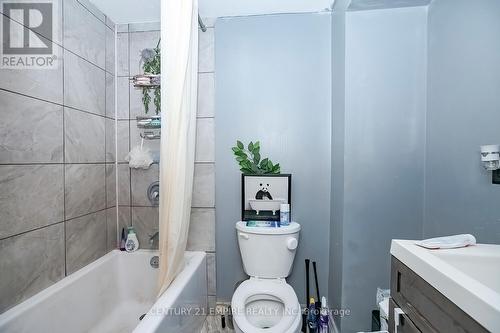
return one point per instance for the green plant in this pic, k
(250, 162)
(151, 65)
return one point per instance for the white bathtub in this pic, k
(110, 294)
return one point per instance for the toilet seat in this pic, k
(276, 288)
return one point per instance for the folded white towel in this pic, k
(448, 242)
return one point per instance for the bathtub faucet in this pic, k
(152, 238)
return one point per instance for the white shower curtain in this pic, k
(179, 79)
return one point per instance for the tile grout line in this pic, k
(105, 141)
(86, 214)
(31, 230)
(53, 163)
(88, 10)
(129, 126)
(115, 97)
(64, 144)
(55, 103)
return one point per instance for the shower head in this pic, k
(202, 25)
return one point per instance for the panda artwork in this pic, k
(263, 193)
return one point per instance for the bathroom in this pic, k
(382, 114)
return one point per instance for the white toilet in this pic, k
(265, 302)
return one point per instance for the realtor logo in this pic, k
(27, 35)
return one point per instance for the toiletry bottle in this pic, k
(122, 240)
(132, 244)
(323, 316)
(284, 215)
(312, 320)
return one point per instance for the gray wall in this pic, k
(463, 113)
(420, 98)
(337, 146)
(273, 85)
(379, 193)
(56, 209)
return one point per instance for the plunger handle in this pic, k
(304, 315)
(316, 281)
(307, 281)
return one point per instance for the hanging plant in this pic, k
(151, 65)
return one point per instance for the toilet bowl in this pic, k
(265, 305)
(265, 302)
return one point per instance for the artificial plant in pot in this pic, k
(250, 162)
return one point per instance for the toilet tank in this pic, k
(267, 252)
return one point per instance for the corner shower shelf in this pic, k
(146, 80)
(150, 122)
(151, 125)
(151, 135)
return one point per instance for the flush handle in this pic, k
(292, 243)
(244, 236)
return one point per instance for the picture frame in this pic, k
(262, 195)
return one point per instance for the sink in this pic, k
(469, 277)
(479, 262)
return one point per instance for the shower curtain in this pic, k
(179, 80)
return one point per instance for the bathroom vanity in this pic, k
(455, 290)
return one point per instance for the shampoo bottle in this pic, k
(132, 244)
(323, 316)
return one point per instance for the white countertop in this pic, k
(469, 277)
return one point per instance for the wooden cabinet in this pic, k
(425, 309)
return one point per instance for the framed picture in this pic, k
(262, 195)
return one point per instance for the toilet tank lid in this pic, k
(293, 228)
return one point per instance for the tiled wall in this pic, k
(134, 207)
(57, 198)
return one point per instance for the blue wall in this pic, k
(378, 183)
(273, 78)
(463, 113)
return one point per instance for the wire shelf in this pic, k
(146, 80)
(150, 135)
(153, 122)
